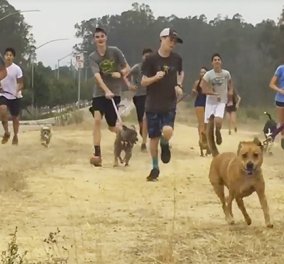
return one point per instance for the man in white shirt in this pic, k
(217, 84)
(10, 96)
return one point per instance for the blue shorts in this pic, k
(156, 122)
(200, 100)
(279, 104)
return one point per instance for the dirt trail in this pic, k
(112, 215)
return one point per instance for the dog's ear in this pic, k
(257, 142)
(124, 127)
(239, 147)
(133, 127)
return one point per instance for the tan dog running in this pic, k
(241, 173)
(45, 135)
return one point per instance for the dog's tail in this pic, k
(211, 138)
(269, 116)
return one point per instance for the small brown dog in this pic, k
(240, 173)
(125, 140)
(45, 135)
(203, 145)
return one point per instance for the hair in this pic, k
(146, 50)
(11, 50)
(204, 68)
(216, 55)
(98, 30)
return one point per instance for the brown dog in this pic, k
(203, 145)
(125, 140)
(240, 173)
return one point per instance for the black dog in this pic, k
(125, 140)
(269, 130)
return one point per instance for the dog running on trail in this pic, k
(241, 173)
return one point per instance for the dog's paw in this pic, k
(230, 220)
(248, 221)
(269, 225)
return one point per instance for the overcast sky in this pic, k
(57, 18)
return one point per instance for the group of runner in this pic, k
(157, 82)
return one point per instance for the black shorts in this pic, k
(106, 108)
(139, 102)
(13, 105)
(230, 108)
(156, 122)
(279, 104)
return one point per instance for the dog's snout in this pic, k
(250, 165)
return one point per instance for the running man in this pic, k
(109, 66)
(163, 76)
(277, 85)
(140, 96)
(217, 85)
(10, 96)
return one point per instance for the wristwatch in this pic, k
(179, 85)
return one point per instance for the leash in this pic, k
(116, 111)
(183, 97)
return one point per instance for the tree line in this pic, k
(250, 52)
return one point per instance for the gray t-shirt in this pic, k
(2, 62)
(136, 73)
(112, 61)
(161, 95)
(219, 83)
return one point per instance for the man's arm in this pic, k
(274, 85)
(98, 78)
(20, 80)
(206, 88)
(3, 71)
(148, 78)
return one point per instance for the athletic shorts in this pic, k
(279, 104)
(139, 102)
(230, 108)
(217, 110)
(106, 108)
(13, 105)
(156, 122)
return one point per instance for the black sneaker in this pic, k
(154, 174)
(165, 153)
(218, 137)
(236, 129)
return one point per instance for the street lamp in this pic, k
(58, 61)
(32, 64)
(18, 12)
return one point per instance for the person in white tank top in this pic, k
(10, 96)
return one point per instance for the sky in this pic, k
(56, 18)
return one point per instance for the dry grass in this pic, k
(112, 215)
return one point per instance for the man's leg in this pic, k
(4, 116)
(139, 102)
(280, 115)
(144, 134)
(15, 109)
(219, 114)
(168, 120)
(98, 106)
(154, 130)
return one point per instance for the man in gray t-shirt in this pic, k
(109, 66)
(3, 71)
(217, 84)
(140, 96)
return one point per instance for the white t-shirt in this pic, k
(219, 82)
(9, 83)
